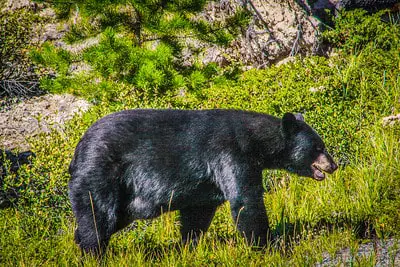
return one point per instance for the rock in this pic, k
(52, 32)
(36, 115)
(317, 89)
(79, 67)
(391, 120)
(278, 29)
(11, 5)
(79, 46)
(383, 252)
(47, 13)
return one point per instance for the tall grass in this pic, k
(356, 195)
(309, 219)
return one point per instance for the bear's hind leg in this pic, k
(195, 220)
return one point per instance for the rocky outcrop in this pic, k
(36, 115)
(280, 29)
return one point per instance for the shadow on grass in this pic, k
(286, 234)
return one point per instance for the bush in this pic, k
(355, 30)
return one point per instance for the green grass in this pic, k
(308, 219)
(152, 244)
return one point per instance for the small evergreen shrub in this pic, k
(141, 46)
(355, 30)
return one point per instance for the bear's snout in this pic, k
(325, 163)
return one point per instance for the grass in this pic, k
(310, 220)
(126, 250)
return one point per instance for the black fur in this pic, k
(135, 164)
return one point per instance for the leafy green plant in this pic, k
(141, 45)
(56, 59)
(355, 30)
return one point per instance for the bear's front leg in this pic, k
(249, 215)
(195, 220)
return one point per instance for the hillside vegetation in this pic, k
(343, 97)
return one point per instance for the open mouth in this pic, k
(317, 173)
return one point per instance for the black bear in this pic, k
(134, 164)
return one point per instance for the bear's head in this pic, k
(305, 152)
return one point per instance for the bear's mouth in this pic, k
(318, 174)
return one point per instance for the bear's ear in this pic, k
(290, 123)
(299, 116)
